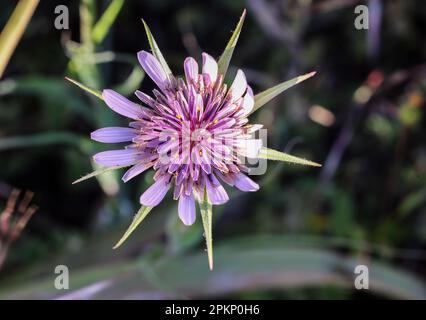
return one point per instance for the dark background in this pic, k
(300, 236)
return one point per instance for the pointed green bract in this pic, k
(97, 173)
(206, 215)
(155, 50)
(142, 213)
(95, 92)
(226, 56)
(271, 154)
(101, 28)
(264, 97)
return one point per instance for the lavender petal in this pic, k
(244, 183)
(239, 85)
(191, 70)
(142, 96)
(135, 170)
(210, 67)
(121, 105)
(113, 134)
(156, 192)
(112, 158)
(216, 193)
(153, 68)
(248, 101)
(186, 209)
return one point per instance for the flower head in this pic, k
(194, 132)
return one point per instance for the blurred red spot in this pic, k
(375, 79)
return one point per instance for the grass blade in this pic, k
(142, 213)
(14, 29)
(155, 50)
(101, 28)
(271, 154)
(264, 97)
(226, 56)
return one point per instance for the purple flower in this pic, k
(194, 132)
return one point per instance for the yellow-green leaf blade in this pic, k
(97, 173)
(140, 216)
(101, 28)
(206, 215)
(264, 97)
(226, 56)
(95, 92)
(155, 50)
(14, 29)
(271, 154)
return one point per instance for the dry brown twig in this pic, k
(13, 221)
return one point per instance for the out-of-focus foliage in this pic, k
(362, 116)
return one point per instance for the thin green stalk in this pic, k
(87, 21)
(14, 30)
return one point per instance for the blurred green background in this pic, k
(300, 237)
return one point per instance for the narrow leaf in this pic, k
(142, 213)
(226, 56)
(96, 93)
(206, 215)
(264, 97)
(101, 28)
(97, 173)
(271, 154)
(155, 50)
(14, 29)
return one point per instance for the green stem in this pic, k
(14, 30)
